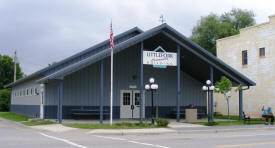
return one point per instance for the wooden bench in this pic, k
(77, 113)
(251, 115)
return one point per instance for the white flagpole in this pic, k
(111, 93)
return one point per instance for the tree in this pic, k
(224, 86)
(4, 100)
(50, 64)
(6, 77)
(213, 27)
(239, 18)
(7, 70)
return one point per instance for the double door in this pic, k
(130, 104)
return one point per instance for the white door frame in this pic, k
(42, 101)
(131, 110)
(125, 109)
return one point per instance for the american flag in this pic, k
(111, 38)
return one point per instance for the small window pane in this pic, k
(126, 98)
(262, 52)
(136, 98)
(36, 91)
(244, 57)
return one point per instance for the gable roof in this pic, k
(79, 56)
(169, 32)
(101, 53)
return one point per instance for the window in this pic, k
(262, 52)
(136, 98)
(126, 98)
(36, 91)
(31, 91)
(27, 92)
(244, 57)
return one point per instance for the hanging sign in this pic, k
(159, 58)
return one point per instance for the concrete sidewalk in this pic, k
(186, 130)
(176, 128)
(53, 128)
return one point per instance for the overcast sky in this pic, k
(44, 31)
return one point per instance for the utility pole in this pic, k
(14, 60)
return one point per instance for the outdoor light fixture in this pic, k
(208, 88)
(208, 82)
(152, 80)
(152, 87)
(147, 86)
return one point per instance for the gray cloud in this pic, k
(47, 31)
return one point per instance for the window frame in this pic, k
(31, 91)
(244, 58)
(27, 92)
(260, 53)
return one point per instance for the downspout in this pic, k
(241, 102)
(246, 88)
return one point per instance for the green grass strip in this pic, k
(230, 123)
(34, 123)
(13, 116)
(226, 117)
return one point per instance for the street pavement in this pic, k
(15, 135)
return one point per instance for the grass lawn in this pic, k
(13, 116)
(34, 123)
(226, 117)
(23, 119)
(234, 121)
(123, 125)
(228, 123)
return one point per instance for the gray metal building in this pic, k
(82, 81)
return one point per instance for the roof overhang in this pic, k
(172, 34)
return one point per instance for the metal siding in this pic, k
(82, 87)
(51, 111)
(26, 100)
(28, 110)
(88, 52)
(52, 93)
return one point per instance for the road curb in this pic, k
(171, 131)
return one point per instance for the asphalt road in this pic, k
(13, 135)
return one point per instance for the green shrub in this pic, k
(4, 100)
(211, 123)
(161, 122)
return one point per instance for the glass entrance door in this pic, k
(130, 104)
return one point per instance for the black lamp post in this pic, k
(209, 87)
(152, 87)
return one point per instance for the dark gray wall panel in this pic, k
(51, 112)
(28, 110)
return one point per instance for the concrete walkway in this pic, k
(53, 128)
(174, 127)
